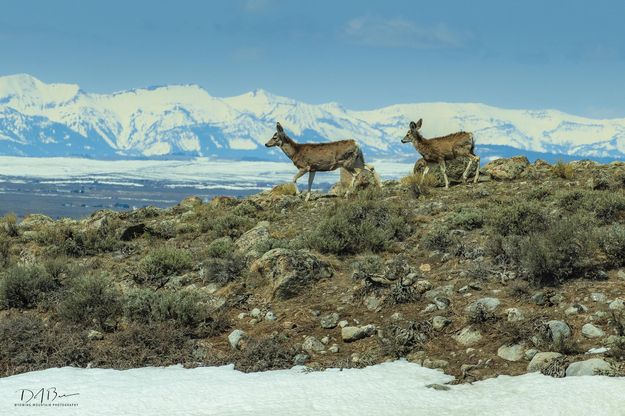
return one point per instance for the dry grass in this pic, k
(563, 170)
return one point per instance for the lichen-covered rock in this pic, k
(290, 271)
(454, 169)
(508, 169)
(249, 239)
(468, 337)
(588, 367)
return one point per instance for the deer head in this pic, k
(413, 134)
(278, 137)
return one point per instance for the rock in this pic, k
(468, 337)
(591, 331)
(430, 308)
(439, 387)
(488, 304)
(249, 239)
(539, 298)
(507, 169)
(334, 348)
(621, 274)
(191, 202)
(300, 359)
(343, 323)
(256, 313)
(422, 286)
(431, 363)
(325, 340)
(558, 331)
(529, 354)
(372, 303)
(617, 305)
(290, 271)
(329, 321)
(511, 352)
(441, 302)
(397, 316)
(270, 316)
(94, 335)
(354, 333)
(236, 337)
(425, 267)
(556, 299)
(575, 309)
(541, 360)
(447, 291)
(598, 297)
(588, 367)
(440, 322)
(242, 315)
(288, 325)
(515, 315)
(312, 345)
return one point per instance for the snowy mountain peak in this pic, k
(39, 119)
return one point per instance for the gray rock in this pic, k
(587, 368)
(511, 352)
(440, 322)
(575, 309)
(334, 348)
(422, 286)
(270, 316)
(256, 313)
(236, 337)
(251, 238)
(539, 298)
(591, 331)
(515, 315)
(540, 360)
(440, 387)
(300, 359)
(329, 321)
(430, 308)
(468, 337)
(290, 271)
(432, 363)
(617, 305)
(441, 302)
(325, 340)
(529, 354)
(94, 335)
(447, 291)
(621, 274)
(343, 323)
(556, 299)
(507, 169)
(372, 303)
(558, 331)
(354, 333)
(598, 297)
(488, 304)
(312, 345)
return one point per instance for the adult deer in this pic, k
(440, 149)
(321, 157)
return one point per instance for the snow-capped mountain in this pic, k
(39, 119)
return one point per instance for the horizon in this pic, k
(364, 55)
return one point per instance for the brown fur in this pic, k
(440, 149)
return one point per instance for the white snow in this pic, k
(397, 388)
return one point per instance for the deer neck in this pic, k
(419, 140)
(289, 147)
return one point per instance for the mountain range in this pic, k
(39, 119)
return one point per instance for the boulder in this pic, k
(508, 169)
(236, 337)
(511, 352)
(468, 337)
(290, 271)
(541, 360)
(588, 367)
(558, 331)
(454, 169)
(354, 333)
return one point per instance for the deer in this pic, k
(440, 149)
(321, 157)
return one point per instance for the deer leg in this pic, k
(311, 178)
(298, 175)
(354, 174)
(467, 170)
(376, 177)
(477, 171)
(425, 172)
(444, 171)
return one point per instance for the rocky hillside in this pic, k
(522, 271)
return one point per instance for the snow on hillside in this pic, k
(397, 388)
(39, 119)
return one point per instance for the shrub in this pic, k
(224, 263)
(467, 219)
(519, 218)
(437, 238)
(607, 206)
(226, 225)
(270, 353)
(9, 225)
(158, 266)
(23, 286)
(91, 299)
(358, 225)
(612, 242)
(5, 250)
(563, 170)
(26, 344)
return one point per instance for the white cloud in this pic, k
(401, 33)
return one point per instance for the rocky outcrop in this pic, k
(508, 169)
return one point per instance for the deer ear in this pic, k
(279, 128)
(419, 123)
(413, 125)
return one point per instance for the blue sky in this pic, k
(568, 55)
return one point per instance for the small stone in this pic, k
(343, 323)
(468, 337)
(312, 345)
(463, 289)
(397, 316)
(372, 303)
(488, 304)
(529, 354)
(236, 337)
(539, 298)
(441, 302)
(446, 291)
(514, 315)
(325, 340)
(255, 313)
(439, 387)
(558, 331)
(511, 352)
(422, 286)
(617, 305)
(431, 363)
(540, 360)
(242, 315)
(430, 308)
(425, 267)
(253, 321)
(588, 367)
(270, 316)
(591, 331)
(598, 297)
(300, 359)
(556, 299)
(621, 274)
(94, 335)
(440, 322)
(329, 321)
(575, 309)
(354, 333)
(599, 316)
(288, 325)
(470, 351)
(334, 349)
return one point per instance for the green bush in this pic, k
(224, 262)
(606, 206)
(161, 264)
(23, 286)
(518, 218)
(357, 226)
(219, 225)
(612, 242)
(467, 219)
(5, 250)
(9, 225)
(91, 299)
(437, 238)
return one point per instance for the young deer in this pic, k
(440, 149)
(321, 157)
